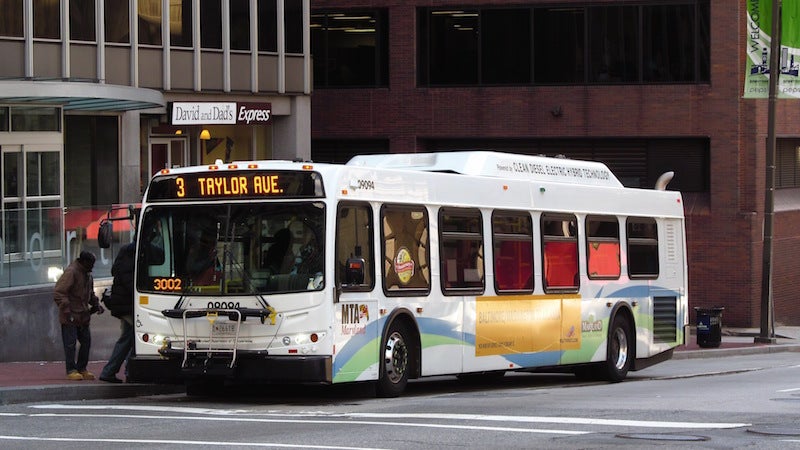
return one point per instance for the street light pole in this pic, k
(767, 333)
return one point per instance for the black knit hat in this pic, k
(87, 258)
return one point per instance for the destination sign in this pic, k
(253, 184)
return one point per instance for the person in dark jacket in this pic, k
(76, 301)
(120, 303)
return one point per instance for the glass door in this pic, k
(167, 153)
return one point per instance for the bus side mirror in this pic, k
(105, 234)
(354, 271)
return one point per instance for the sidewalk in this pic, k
(22, 382)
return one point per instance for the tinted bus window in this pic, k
(560, 252)
(512, 235)
(642, 247)
(461, 251)
(602, 247)
(355, 263)
(406, 261)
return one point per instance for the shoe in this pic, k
(74, 375)
(87, 375)
(111, 379)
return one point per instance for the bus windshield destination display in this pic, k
(235, 184)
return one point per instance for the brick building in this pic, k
(644, 86)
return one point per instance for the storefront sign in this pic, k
(219, 113)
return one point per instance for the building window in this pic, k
(267, 26)
(35, 118)
(613, 40)
(506, 48)
(149, 22)
(461, 251)
(11, 19)
(558, 45)
(666, 43)
(117, 26)
(350, 48)
(46, 19)
(293, 25)
(211, 24)
(81, 20)
(406, 254)
(180, 24)
(31, 209)
(3, 118)
(450, 50)
(787, 163)
(240, 24)
(512, 236)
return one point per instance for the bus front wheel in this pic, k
(395, 361)
(619, 351)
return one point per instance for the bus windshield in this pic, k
(231, 248)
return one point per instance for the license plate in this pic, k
(224, 329)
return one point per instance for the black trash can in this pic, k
(709, 326)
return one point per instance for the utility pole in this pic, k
(767, 332)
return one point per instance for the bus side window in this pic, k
(642, 236)
(461, 250)
(512, 235)
(406, 240)
(602, 247)
(355, 263)
(560, 252)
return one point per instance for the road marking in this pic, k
(180, 442)
(570, 420)
(306, 416)
(306, 420)
(789, 390)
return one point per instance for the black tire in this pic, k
(619, 352)
(395, 360)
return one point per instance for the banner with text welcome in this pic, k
(759, 36)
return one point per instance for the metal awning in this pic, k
(80, 96)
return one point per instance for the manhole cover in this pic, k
(663, 437)
(775, 431)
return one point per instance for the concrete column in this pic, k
(129, 165)
(292, 133)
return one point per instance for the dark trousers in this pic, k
(72, 335)
(122, 349)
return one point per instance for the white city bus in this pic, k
(396, 267)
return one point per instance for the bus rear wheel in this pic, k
(395, 363)
(619, 353)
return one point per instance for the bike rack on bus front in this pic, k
(235, 315)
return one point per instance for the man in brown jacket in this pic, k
(74, 295)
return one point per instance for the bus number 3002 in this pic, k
(167, 284)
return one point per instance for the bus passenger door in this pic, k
(356, 326)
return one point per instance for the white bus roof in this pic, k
(496, 164)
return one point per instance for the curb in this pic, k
(71, 392)
(723, 352)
